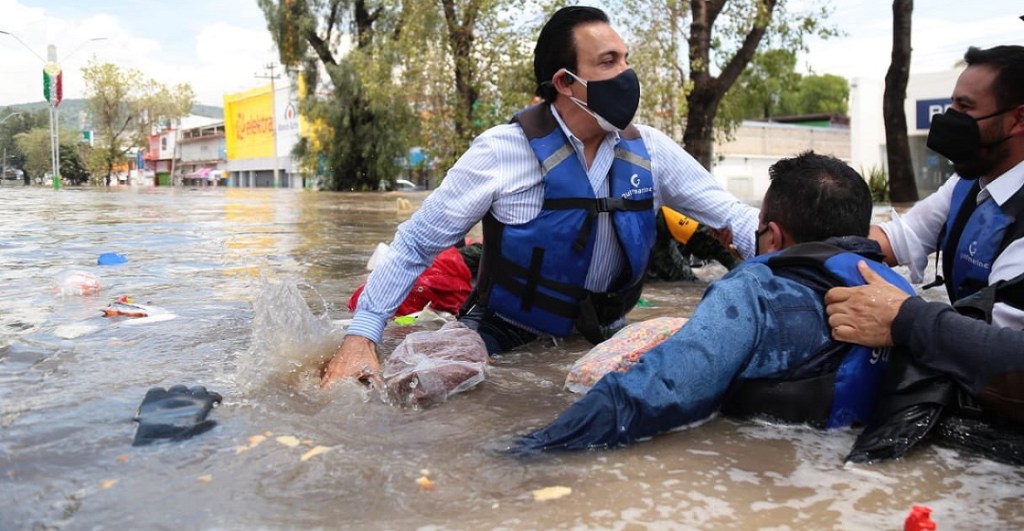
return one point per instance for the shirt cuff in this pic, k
(907, 252)
(368, 325)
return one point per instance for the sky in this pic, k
(219, 46)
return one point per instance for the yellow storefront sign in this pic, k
(249, 124)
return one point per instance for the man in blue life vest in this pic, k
(567, 193)
(758, 343)
(975, 219)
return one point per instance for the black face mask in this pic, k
(956, 136)
(614, 100)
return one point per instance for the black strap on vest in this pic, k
(593, 208)
(790, 401)
(979, 305)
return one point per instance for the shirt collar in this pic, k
(1002, 188)
(576, 142)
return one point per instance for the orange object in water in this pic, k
(123, 306)
(919, 519)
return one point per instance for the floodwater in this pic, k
(258, 282)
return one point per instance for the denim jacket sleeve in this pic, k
(749, 324)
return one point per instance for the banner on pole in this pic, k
(53, 89)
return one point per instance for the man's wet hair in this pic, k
(815, 197)
(1008, 86)
(556, 47)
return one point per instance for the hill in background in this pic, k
(73, 111)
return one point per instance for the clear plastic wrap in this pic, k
(620, 351)
(429, 367)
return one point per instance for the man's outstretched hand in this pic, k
(357, 358)
(864, 314)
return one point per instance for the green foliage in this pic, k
(878, 183)
(825, 94)
(765, 89)
(385, 76)
(72, 166)
(16, 124)
(126, 107)
(678, 57)
(34, 145)
(476, 76)
(769, 87)
(360, 123)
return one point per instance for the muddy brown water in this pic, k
(258, 281)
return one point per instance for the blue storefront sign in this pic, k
(928, 108)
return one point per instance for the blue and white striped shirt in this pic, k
(500, 174)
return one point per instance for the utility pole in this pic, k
(52, 72)
(53, 91)
(273, 114)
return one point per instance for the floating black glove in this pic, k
(175, 413)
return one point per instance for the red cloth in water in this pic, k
(445, 284)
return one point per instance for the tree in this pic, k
(819, 94)
(902, 186)
(23, 122)
(35, 147)
(73, 162)
(474, 78)
(361, 122)
(721, 39)
(127, 107)
(770, 87)
(764, 88)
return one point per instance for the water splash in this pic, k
(289, 343)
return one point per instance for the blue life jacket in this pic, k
(534, 273)
(838, 385)
(974, 235)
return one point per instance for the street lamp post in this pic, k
(53, 91)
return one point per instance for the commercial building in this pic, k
(928, 94)
(742, 162)
(203, 155)
(163, 157)
(261, 127)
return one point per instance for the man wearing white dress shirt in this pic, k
(567, 193)
(976, 219)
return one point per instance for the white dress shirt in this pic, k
(500, 174)
(914, 235)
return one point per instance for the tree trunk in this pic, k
(460, 39)
(708, 91)
(902, 186)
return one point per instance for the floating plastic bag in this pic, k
(111, 259)
(445, 284)
(620, 351)
(426, 315)
(379, 254)
(125, 306)
(429, 367)
(76, 283)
